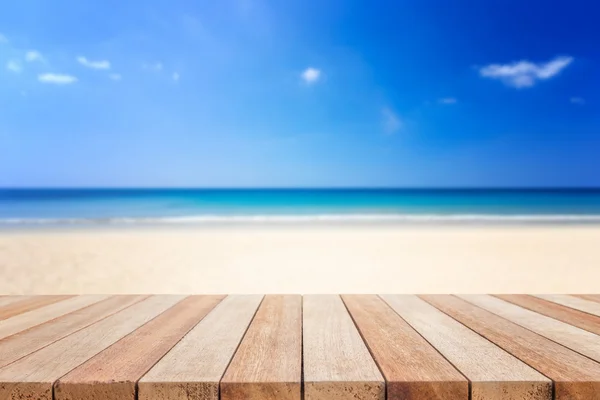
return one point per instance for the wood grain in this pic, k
(6, 300)
(23, 343)
(590, 297)
(337, 364)
(569, 315)
(27, 304)
(195, 366)
(588, 306)
(113, 373)
(494, 374)
(29, 319)
(268, 362)
(575, 377)
(575, 338)
(32, 376)
(412, 368)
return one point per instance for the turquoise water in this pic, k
(23, 207)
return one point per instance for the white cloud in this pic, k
(392, 123)
(577, 100)
(14, 66)
(311, 75)
(104, 64)
(57, 79)
(34, 55)
(524, 73)
(3, 39)
(175, 76)
(115, 77)
(447, 100)
(154, 67)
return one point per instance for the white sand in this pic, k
(425, 259)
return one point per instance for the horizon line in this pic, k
(262, 188)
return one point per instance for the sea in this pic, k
(92, 207)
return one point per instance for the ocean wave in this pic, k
(332, 218)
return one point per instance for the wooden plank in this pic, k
(29, 319)
(337, 364)
(6, 300)
(113, 373)
(195, 366)
(575, 338)
(27, 304)
(494, 374)
(268, 363)
(21, 344)
(590, 297)
(571, 316)
(575, 377)
(412, 368)
(32, 376)
(588, 306)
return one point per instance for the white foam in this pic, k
(333, 218)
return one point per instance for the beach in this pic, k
(308, 258)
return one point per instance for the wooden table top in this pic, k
(292, 347)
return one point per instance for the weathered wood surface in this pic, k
(590, 297)
(6, 300)
(194, 367)
(575, 338)
(575, 377)
(588, 306)
(289, 347)
(413, 369)
(33, 376)
(27, 304)
(19, 345)
(494, 374)
(337, 363)
(30, 319)
(557, 311)
(113, 373)
(268, 363)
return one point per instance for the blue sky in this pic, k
(299, 93)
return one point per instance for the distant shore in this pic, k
(305, 258)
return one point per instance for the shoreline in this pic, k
(307, 259)
(520, 222)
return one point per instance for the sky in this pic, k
(299, 93)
